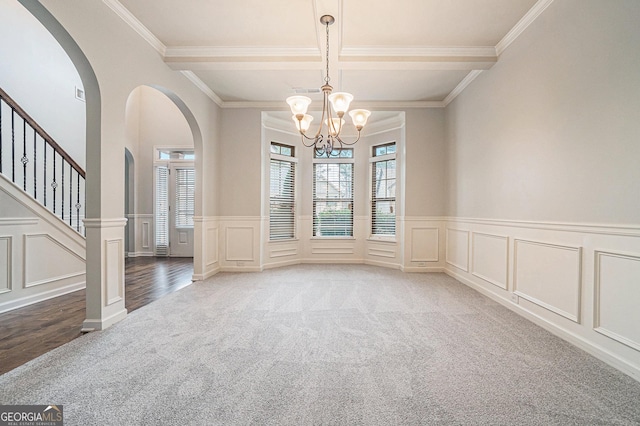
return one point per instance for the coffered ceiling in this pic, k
(386, 53)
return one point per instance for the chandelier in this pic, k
(327, 139)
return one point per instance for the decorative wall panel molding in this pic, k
(46, 260)
(332, 250)
(18, 221)
(381, 252)
(457, 250)
(239, 243)
(211, 254)
(276, 252)
(114, 270)
(617, 297)
(425, 244)
(490, 258)
(146, 234)
(549, 275)
(6, 248)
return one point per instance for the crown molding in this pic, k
(461, 86)
(136, 25)
(278, 124)
(203, 87)
(522, 25)
(379, 105)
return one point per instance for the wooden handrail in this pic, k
(57, 148)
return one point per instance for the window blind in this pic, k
(332, 199)
(185, 197)
(162, 211)
(282, 199)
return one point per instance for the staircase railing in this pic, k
(35, 162)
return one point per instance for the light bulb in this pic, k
(359, 117)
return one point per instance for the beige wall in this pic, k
(550, 133)
(543, 178)
(240, 168)
(425, 162)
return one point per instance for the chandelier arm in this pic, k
(305, 137)
(348, 143)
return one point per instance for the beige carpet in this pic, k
(310, 345)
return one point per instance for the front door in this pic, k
(174, 209)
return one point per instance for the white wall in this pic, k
(543, 178)
(40, 77)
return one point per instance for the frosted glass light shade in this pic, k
(298, 104)
(340, 101)
(359, 117)
(303, 125)
(334, 126)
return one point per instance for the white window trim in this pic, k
(375, 159)
(290, 159)
(337, 160)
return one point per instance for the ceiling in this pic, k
(386, 53)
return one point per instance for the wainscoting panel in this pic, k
(424, 244)
(549, 275)
(579, 281)
(211, 255)
(332, 249)
(114, 270)
(284, 250)
(41, 266)
(382, 252)
(146, 235)
(239, 243)
(617, 297)
(490, 258)
(457, 252)
(5, 263)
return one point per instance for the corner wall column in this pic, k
(105, 273)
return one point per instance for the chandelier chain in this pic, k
(327, 78)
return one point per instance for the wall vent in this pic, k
(80, 94)
(302, 90)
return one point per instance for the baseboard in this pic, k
(140, 254)
(208, 274)
(281, 264)
(422, 269)
(241, 269)
(578, 341)
(382, 264)
(93, 324)
(40, 297)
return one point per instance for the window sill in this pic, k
(287, 240)
(332, 238)
(383, 240)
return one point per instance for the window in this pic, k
(162, 211)
(333, 196)
(282, 208)
(383, 190)
(185, 197)
(175, 154)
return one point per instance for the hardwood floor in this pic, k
(29, 332)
